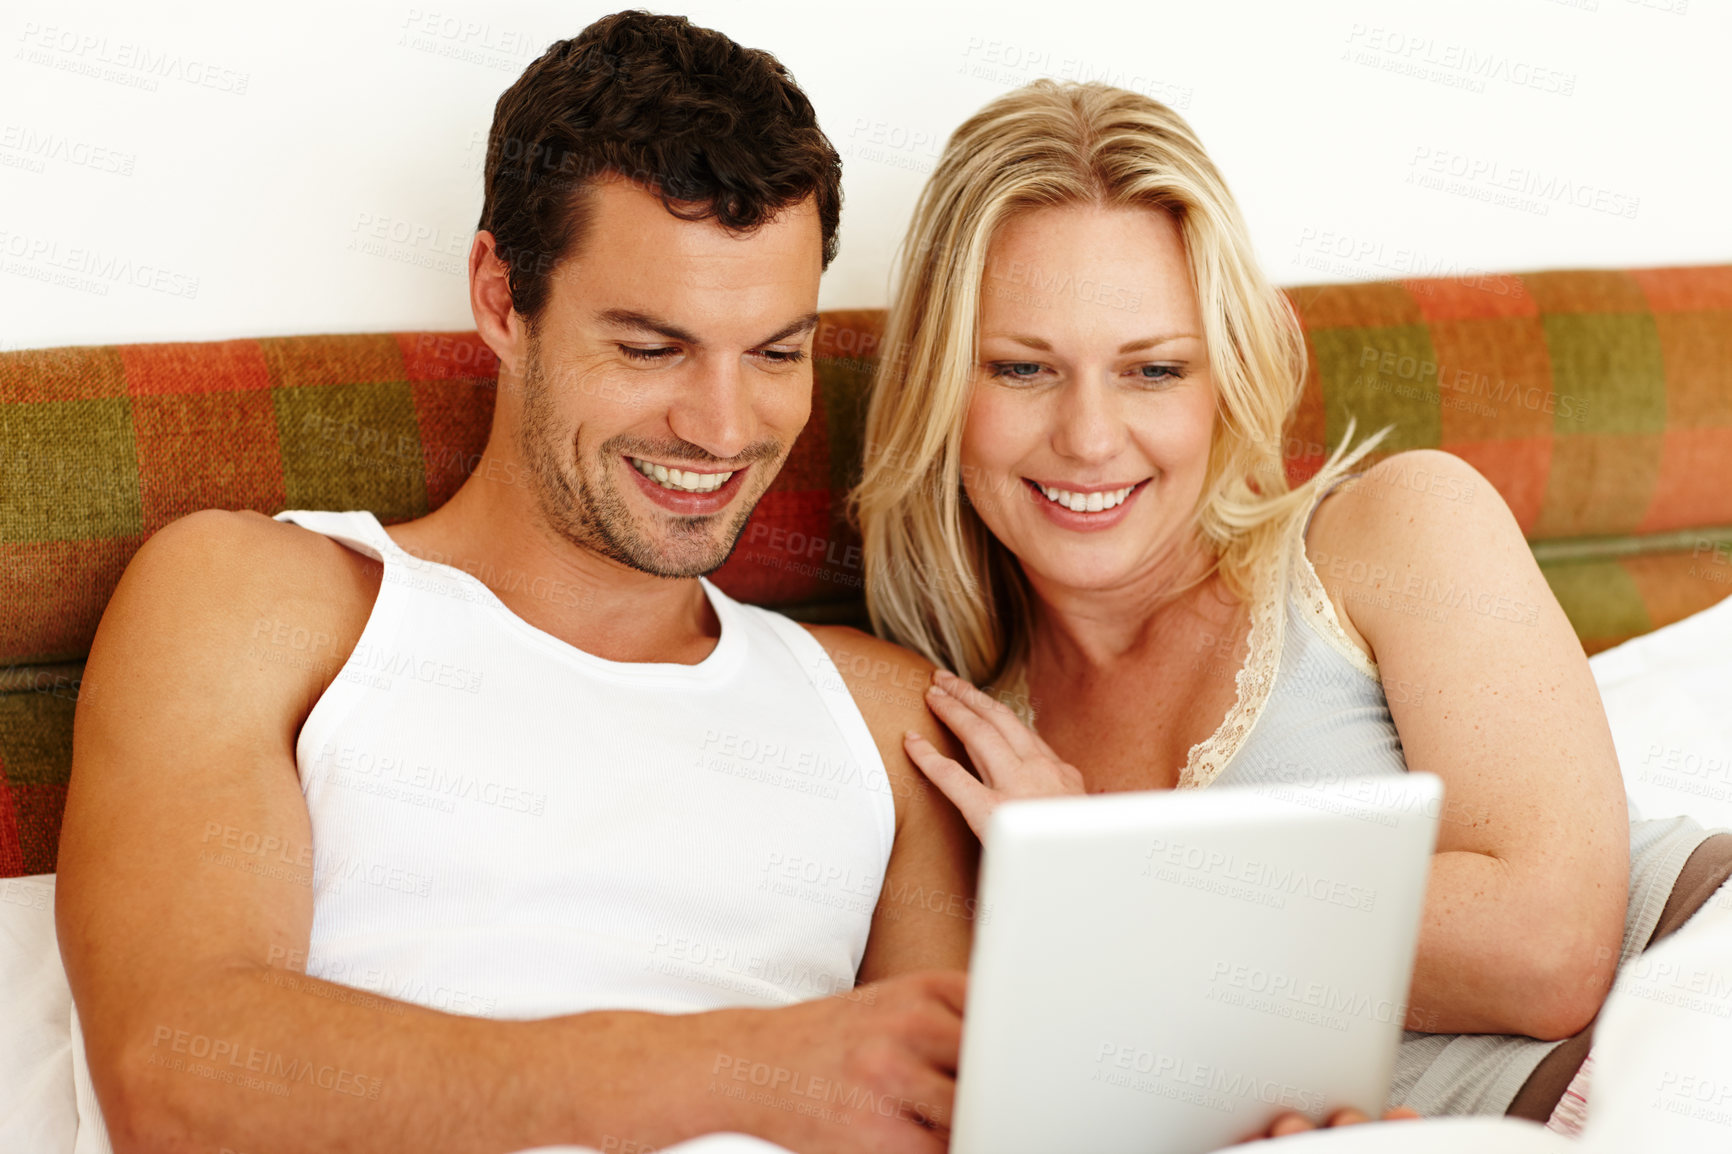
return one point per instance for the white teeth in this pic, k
(681, 480)
(1095, 502)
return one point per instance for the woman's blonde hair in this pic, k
(937, 580)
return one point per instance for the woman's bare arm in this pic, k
(1490, 690)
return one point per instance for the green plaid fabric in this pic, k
(1598, 403)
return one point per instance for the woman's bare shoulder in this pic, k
(1413, 537)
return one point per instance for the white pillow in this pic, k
(38, 1112)
(1662, 1074)
(1668, 697)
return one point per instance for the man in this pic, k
(684, 826)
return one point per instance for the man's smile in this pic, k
(681, 480)
(687, 491)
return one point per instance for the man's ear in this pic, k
(497, 322)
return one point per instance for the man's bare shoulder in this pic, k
(242, 556)
(226, 589)
(888, 684)
(887, 681)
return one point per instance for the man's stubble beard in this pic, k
(597, 518)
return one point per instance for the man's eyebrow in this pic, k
(643, 322)
(802, 325)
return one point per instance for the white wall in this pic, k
(202, 170)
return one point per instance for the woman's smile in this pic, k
(1084, 507)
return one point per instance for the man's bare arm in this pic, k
(184, 903)
(925, 914)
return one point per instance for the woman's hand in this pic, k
(1013, 761)
(1296, 1123)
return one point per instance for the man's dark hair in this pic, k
(716, 130)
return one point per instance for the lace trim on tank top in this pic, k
(1254, 681)
(1319, 610)
(1256, 678)
(1207, 758)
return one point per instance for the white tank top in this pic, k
(507, 826)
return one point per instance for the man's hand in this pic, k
(867, 1071)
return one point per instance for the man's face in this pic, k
(667, 378)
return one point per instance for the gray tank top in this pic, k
(1313, 711)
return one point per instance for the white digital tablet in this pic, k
(1164, 972)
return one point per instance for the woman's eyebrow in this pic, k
(1045, 346)
(1152, 342)
(1031, 342)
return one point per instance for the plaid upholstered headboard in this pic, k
(1598, 403)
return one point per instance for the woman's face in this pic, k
(1088, 427)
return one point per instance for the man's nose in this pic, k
(714, 408)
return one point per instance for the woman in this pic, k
(1075, 495)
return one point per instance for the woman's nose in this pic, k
(1088, 426)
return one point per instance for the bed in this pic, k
(1597, 402)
